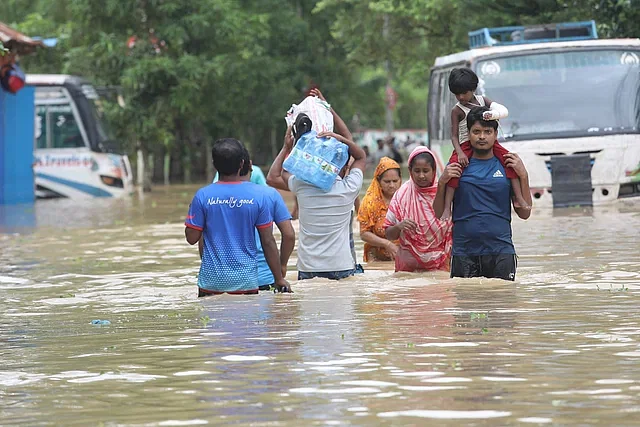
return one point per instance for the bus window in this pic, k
(445, 106)
(65, 132)
(41, 128)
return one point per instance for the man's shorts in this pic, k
(206, 292)
(501, 266)
(332, 275)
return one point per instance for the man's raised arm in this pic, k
(339, 126)
(277, 176)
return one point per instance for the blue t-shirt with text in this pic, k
(482, 210)
(280, 213)
(228, 214)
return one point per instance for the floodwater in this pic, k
(561, 346)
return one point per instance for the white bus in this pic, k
(574, 110)
(74, 156)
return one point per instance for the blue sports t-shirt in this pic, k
(482, 210)
(228, 214)
(279, 213)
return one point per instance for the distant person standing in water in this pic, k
(227, 214)
(482, 244)
(373, 211)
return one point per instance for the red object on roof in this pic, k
(17, 42)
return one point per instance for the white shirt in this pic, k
(323, 244)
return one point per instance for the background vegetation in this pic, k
(204, 69)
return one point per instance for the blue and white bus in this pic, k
(74, 156)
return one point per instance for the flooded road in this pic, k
(561, 346)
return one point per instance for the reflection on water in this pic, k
(558, 347)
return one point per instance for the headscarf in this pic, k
(373, 209)
(431, 244)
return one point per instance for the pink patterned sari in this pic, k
(429, 248)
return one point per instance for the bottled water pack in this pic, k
(317, 161)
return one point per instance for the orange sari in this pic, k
(373, 211)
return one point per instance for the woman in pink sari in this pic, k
(425, 241)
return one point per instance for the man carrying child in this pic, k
(482, 243)
(463, 83)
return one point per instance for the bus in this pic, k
(574, 107)
(74, 154)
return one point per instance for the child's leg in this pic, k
(448, 200)
(453, 158)
(499, 151)
(466, 148)
(519, 201)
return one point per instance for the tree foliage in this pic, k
(204, 69)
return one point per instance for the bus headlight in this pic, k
(111, 181)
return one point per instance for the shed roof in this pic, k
(17, 41)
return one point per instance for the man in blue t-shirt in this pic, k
(482, 245)
(226, 214)
(281, 217)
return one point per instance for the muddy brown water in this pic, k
(558, 347)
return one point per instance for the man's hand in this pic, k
(512, 160)
(327, 134)
(288, 139)
(462, 158)
(282, 286)
(316, 92)
(453, 170)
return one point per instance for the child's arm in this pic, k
(498, 111)
(455, 122)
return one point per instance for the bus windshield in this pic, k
(566, 93)
(95, 107)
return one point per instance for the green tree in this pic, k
(204, 69)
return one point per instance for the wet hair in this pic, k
(228, 155)
(462, 80)
(427, 156)
(475, 115)
(302, 125)
(392, 169)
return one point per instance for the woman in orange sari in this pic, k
(373, 211)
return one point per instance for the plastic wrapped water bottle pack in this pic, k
(317, 161)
